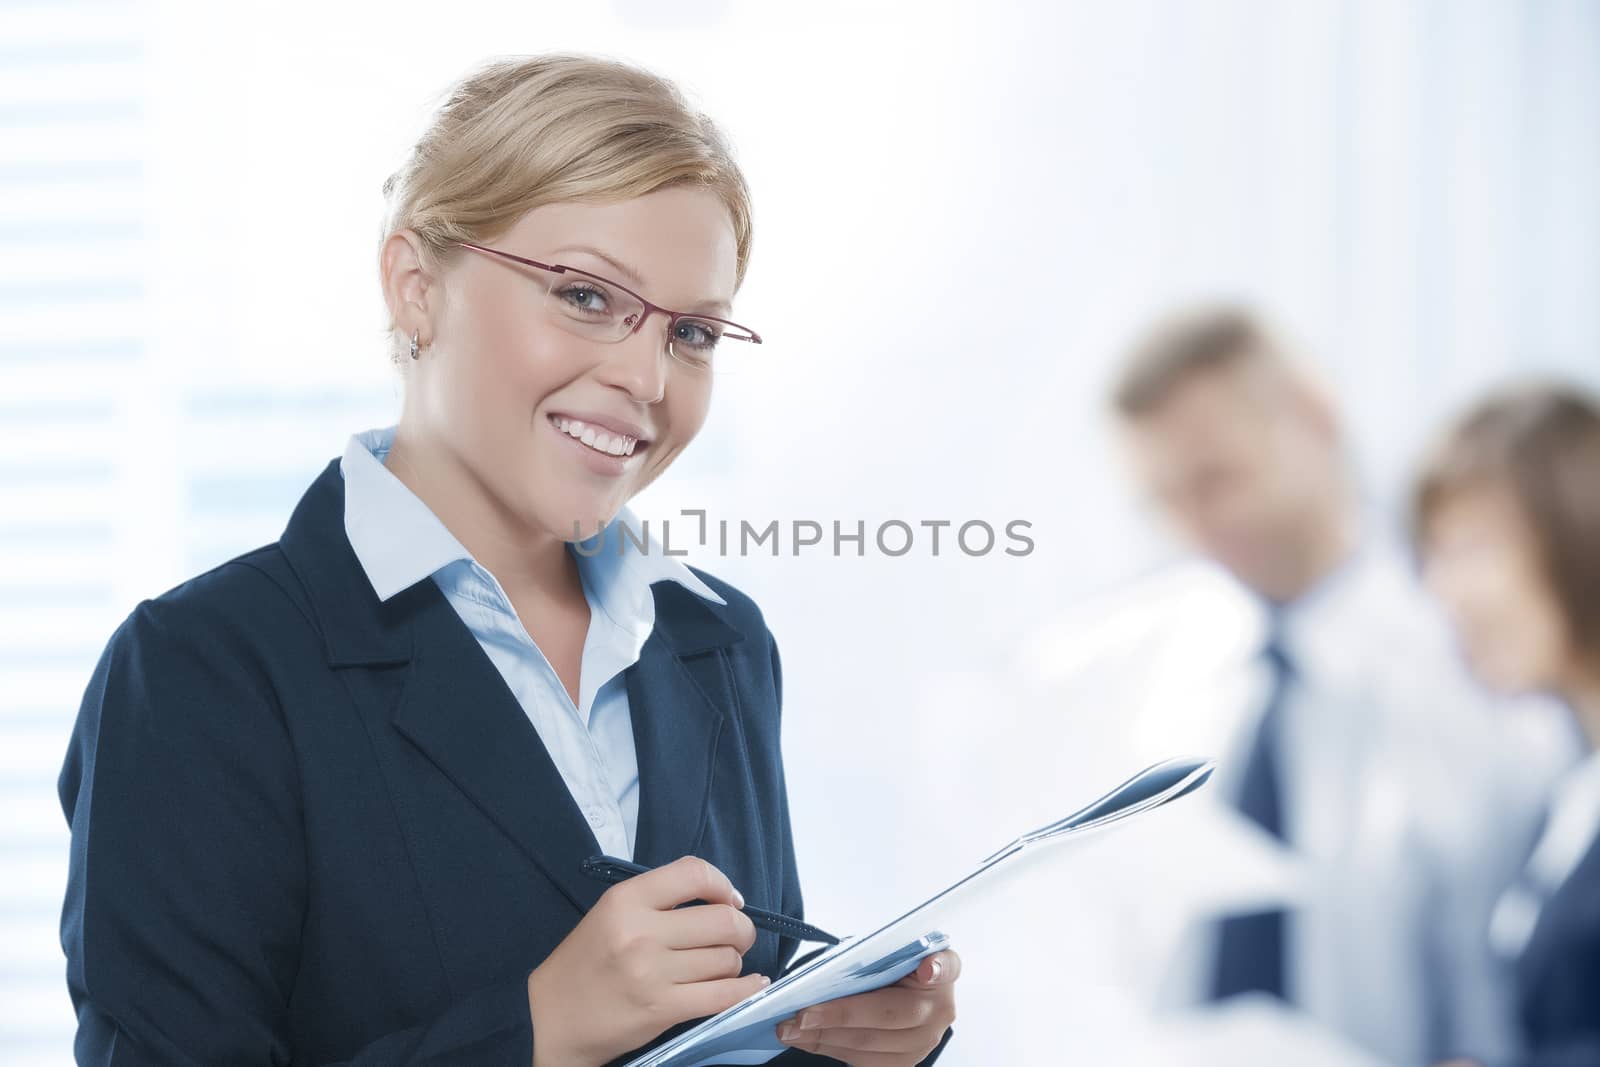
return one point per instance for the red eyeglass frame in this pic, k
(649, 308)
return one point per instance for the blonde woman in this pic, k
(330, 800)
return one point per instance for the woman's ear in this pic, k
(407, 283)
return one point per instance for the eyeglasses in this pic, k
(599, 309)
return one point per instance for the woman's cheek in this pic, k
(689, 415)
(678, 429)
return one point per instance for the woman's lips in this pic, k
(601, 451)
(614, 436)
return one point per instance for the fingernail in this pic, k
(810, 1020)
(786, 1032)
(765, 981)
(937, 968)
(738, 900)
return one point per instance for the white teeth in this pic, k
(612, 444)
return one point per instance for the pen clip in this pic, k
(611, 869)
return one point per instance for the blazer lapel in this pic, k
(1567, 912)
(459, 711)
(451, 702)
(680, 700)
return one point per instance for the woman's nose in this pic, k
(639, 363)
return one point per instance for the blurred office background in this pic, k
(964, 213)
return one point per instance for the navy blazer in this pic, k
(310, 827)
(1558, 974)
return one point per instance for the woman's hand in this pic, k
(637, 964)
(895, 1026)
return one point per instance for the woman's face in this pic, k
(497, 389)
(1481, 560)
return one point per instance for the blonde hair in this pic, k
(524, 131)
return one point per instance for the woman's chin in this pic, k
(573, 510)
(1507, 679)
(579, 521)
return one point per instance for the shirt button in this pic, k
(596, 818)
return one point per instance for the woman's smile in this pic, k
(603, 449)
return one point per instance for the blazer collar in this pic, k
(454, 706)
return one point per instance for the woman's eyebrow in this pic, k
(634, 276)
(622, 268)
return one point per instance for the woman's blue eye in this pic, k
(696, 335)
(587, 299)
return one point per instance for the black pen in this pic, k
(611, 869)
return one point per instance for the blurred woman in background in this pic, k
(1507, 522)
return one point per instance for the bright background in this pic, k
(963, 212)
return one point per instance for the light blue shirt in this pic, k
(399, 541)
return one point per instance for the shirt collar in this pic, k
(396, 537)
(618, 572)
(1328, 630)
(1572, 822)
(399, 540)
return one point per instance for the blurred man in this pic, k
(1365, 753)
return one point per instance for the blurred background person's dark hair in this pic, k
(1517, 479)
(1348, 754)
(1506, 515)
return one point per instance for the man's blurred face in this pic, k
(1244, 465)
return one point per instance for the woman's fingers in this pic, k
(704, 964)
(941, 968)
(869, 1048)
(684, 879)
(706, 924)
(893, 1007)
(693, 1000)
(637, 963)
(885, 1025)
(836, 1041)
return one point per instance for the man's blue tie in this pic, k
(1250, 948)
